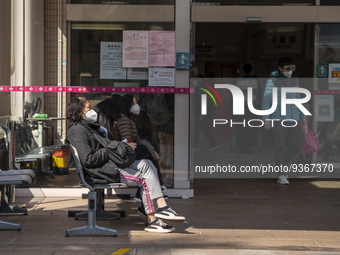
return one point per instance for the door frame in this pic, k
(271, 14)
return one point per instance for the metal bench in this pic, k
(95, 193)
(8, 180)
(25, 149)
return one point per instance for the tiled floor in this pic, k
(227, 216)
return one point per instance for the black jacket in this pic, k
(93, 156)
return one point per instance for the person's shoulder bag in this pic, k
(122, 154)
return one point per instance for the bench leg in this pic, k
(8, 225)
(91, 228)
(5, 207)
(12, 209)
(100, 215)
(91, 231)
(100, 210)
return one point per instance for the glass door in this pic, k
(233, 42)
(327, 98)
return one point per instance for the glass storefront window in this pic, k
(329, 2)
(328, 55)
(222, 51)
(254, 2)
(85, 50)
(86, 39)
(222, 48)
(156, 2)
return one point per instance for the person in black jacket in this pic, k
(95, 160)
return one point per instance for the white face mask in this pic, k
(91, 116)
(135, 109)
(288, 74)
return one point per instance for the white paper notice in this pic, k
(162, 77)
(324, 108)
(135, 48)
(162, 48)
(334, 73)
(136, 73)
(111, 61)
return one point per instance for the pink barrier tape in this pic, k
(95, 89)
(326, 92)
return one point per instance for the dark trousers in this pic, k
(288, 142)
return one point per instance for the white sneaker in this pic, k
(167, 213)
(282, 180)
(158, 226)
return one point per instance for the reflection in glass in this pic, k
(329, 2)
(86, 41)
(221, 123)
(328, 50)
(85, 50)
(254, 2)
(160, 2)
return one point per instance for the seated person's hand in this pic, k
(133, 145)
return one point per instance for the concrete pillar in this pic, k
(17, 58)
(181, 146)
(5, 56)
(34, 47)
(27, 51)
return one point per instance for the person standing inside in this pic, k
(287, 140)
(160, 109)
(126, 129)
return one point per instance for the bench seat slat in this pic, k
(31, 156)
(14, 179)
(110, 186)
(28, 172)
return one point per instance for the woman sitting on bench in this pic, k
(94, 158)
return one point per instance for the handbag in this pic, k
(311, 141)
(149, 149)
(122, 154)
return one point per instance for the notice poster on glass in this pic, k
(111, 61)
(162, 77)
(321, 71)
(324, 108)
(162, 48)
(334, 73)
(136, 73)
(135, 48)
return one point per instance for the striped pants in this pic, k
(144, 174)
